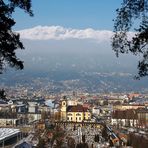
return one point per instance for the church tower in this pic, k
(63, 109)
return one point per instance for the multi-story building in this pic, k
(128, 106)
(131, 117)
(143, 118)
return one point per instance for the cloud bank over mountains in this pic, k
(87, 49)
(61, 33)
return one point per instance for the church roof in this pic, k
(77, 108)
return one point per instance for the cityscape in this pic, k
(73, 119)
(74, 74)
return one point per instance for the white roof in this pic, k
(7, 132)
(49, 103)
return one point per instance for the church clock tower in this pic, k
(63, 109)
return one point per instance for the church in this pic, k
(73, 112)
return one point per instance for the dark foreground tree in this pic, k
(9, 40)
(82, 145)
(131, 14)
(2, 94)
(71, 143)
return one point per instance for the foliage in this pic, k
(9, 40)
(96, 138)
(2, 94)
(137, 141)
(104, 133)
(130, 12)
(71, 142)
(41, 143)
(58, 136)
(111, 143)
(50, 127)
(82, 145)
(7, 114)
(83, 138)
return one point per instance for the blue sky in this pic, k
(79, 14)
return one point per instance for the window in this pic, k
(79, 118)
(71, 118)
(67, 118)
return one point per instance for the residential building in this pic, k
(143, 118)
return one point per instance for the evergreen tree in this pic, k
(132, 11)
(10, 40)
(2, 94)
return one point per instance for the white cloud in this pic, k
(61, 33)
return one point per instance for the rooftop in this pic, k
(77, 108)
(8, 132)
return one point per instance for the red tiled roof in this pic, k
(86, 105)
(77, 108)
